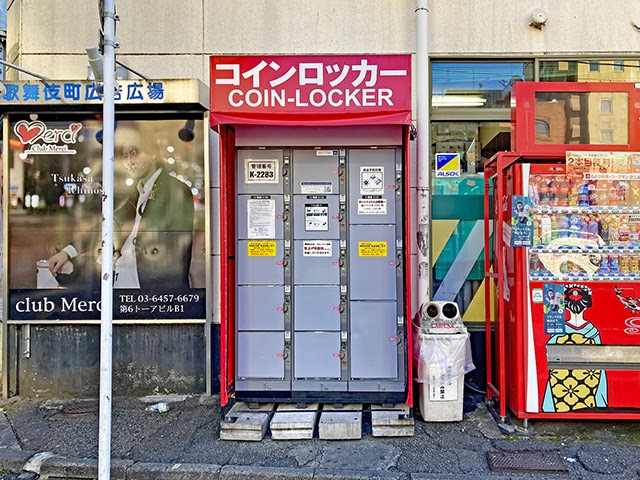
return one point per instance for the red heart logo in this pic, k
(27, 132)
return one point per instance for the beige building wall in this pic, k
(173, 38)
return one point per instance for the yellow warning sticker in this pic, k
(261, 249)
(372, 249)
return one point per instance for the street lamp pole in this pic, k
(106, 278)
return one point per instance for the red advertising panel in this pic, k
(311, 90)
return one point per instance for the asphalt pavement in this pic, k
(55, 439)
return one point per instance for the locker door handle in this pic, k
(285, 215)
(285, 307)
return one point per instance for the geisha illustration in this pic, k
(569, 390)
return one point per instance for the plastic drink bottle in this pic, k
(593, 227)
(584, 226)
(574, 226)
(623, 193)
(573, 193)
(614, 264)
(583, 193)
(545, 229)
(602, 192)
(564, 226)
(613, 193)
(591, 187)
(623, 230)
(554, 227)
(553, 192)
(563, 192)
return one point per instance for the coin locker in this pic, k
(319, 272)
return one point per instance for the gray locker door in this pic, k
(316, 262)
(316, 216)
(260, 355)
(316, 355)
(260, 269)
(315, 172)
(374, 349)
(316, 307)
(259, 171)
(260, 216)
(260, 308)
(372, 274)
(372, 179)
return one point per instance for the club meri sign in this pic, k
(41, 139)
(303, 84)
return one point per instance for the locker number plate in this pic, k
(261, 171)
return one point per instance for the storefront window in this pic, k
(476, 84)
(589, 71)
(476, 142)
(582, 117)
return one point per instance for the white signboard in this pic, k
(261, 218)
(316, 217)
(317, 248)
(371, 180)
(372, 206)
(261, 171)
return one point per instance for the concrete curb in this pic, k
(56, 467)
(13, 460)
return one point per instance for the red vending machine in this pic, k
(565, 263)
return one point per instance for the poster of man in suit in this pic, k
(158, 228)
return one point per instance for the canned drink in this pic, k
(604, 264)
(625, 264)
(634, 264)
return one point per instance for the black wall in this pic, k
(147, 359)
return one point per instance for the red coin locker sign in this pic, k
(311, 90)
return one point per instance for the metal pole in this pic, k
(106, 317)
(424, 152)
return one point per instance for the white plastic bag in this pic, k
(450, 353)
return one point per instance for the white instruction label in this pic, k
(442, 387)
(261, 171)
(371, 180)
(372, 206)
(317, 248)
(313, 188)
(316, 217)
(261, 218)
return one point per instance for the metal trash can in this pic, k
(444, 357)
